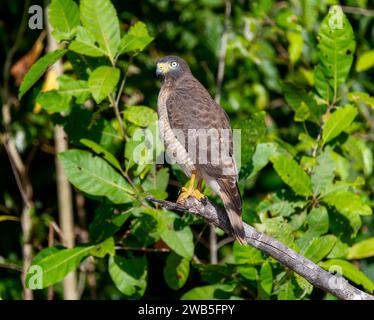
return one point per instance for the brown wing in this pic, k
(190, 106)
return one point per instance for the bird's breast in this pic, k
(175, 151)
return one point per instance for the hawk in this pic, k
(197, 135)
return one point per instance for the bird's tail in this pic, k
(233, 204)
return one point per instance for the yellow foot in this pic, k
(189, 193)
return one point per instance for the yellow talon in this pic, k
(191, 191)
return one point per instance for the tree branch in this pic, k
(318, 277)
(360, 11)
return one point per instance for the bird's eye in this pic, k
(174, 64)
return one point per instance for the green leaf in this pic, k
(212, 292)
(323, 173)
(37, 70)
(337, 122)
(95, 176)
(129, 275)
(276, 206)
(53, 101)
(292, 174)
(104, 248)
(56, 263)
(348, 205)
(131, 156)
(214, 273)
(286, 291)
(176, 271)
(100, 151)
(318, 224)
(248, 272)
(266, 277)
(279, 204)
(362, 249)
(140, 115)
(45, 253)
(251, 130)
(295, 47)
(101, 130)
(346, 201)
(304, 106)
(262, 155)
(361, 97)
(310, 13)
(349, 271)
(84, 43)
(173, 232)
(76, 88)
(144, 231)
(320, 248)
(303, 284)
(336, 47)
(321, 84)
(176, 235)
(246, 255)
(361, 154)
(64, 18)
(318, 220)
(136, 39)
(156, 182)
(280, 229)
(100, 18)
(340, 250)
(365, 61)
(102, 82)
(107, 221)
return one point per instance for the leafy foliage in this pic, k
(38, 69)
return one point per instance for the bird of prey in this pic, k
(196, 132)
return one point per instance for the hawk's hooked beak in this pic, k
(161, 69)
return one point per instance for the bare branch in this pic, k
(11, 266)
(318, 277)
(360, 11)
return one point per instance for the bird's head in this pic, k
(171, 68)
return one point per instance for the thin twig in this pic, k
(51, 240)
(116, 101)
(223, 51)
(313, 273)
(225, 241)
(11, 266)
(356, 10)
(143, 249)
